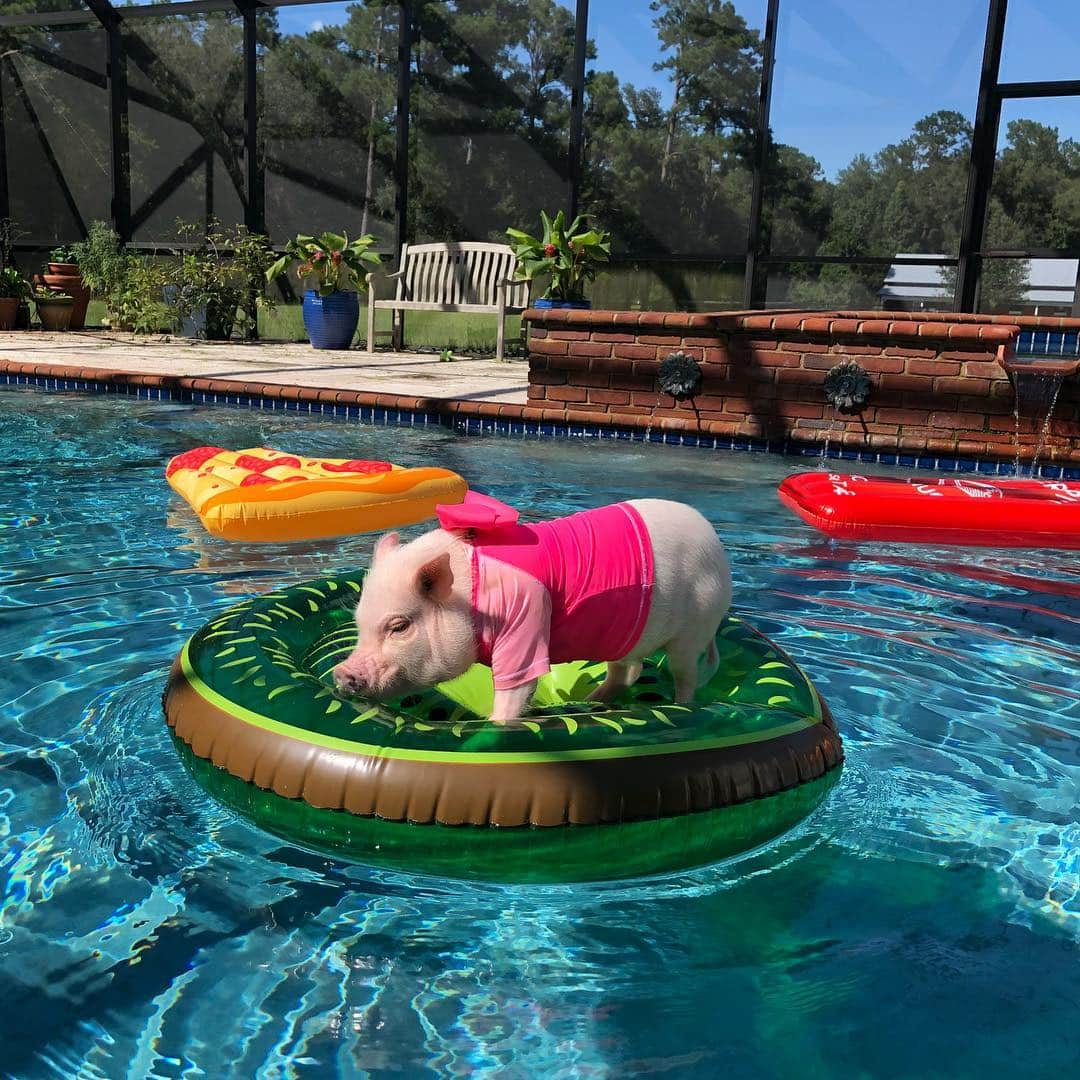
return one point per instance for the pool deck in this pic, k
(278, 365)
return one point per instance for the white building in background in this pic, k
(1050, 290)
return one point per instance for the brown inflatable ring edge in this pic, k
(505, 795)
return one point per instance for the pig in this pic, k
(614, 584)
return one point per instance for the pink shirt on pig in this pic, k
(577, 588)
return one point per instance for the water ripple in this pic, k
(146, 931)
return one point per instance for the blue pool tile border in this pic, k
(486, 426)
(1050, 343)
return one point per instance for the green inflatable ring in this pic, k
(579, 792)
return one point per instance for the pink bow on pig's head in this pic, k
(476, 512)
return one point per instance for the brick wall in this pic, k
(938, 380)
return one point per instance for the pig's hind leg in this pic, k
(693, 662)
(621, 674)
(708, 663)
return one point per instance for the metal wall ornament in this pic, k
(679, 376)
(847, 387)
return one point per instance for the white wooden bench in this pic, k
(470, 277)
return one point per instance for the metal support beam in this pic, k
(145, 10)
(981, 166)
(208, 193)
(754, 284)
(118, 122)
(116, 71)
(255, 200)
(88, 75)
(208, 123)
(401, 149)
(168, 187)
(5, 198)
(577, 108)
(1055, 88)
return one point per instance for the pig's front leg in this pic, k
(510, 704)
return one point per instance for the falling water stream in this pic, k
(828, 437)
(1044, 431)
(1043, 388)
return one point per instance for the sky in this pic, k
(854, 75)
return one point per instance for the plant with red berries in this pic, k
(328, 262)
(569, 255)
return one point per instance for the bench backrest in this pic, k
(464, 273)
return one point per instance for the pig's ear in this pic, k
(385, 545)
(435, 579)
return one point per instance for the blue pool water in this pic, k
(925, 923)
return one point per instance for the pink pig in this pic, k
(616, 584)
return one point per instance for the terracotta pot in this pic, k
(65, 278)
(9, 310)
(55, 314)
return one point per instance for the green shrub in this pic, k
(12, 284)
(130, 285)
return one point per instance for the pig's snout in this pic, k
(353, 676)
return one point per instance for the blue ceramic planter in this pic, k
(331, 320)
(577, 304)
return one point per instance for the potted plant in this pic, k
(10, 233)
(218, 282)
(54, 309)
(13, 291)
(332, 269)
(569, 256)
(62, 275)
(103, 264)
(136, 302)
(130, 285)
(251, 257)
(201, 290)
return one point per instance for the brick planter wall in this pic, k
(938, 381)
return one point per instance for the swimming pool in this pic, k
(925, 923)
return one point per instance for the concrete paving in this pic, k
(408, 374)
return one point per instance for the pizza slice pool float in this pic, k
(266, 495)
(1025, 513)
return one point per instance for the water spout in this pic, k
(847, 387)
(1037, 382)
(680, 377)
(847, 391)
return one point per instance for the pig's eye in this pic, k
(398, 626)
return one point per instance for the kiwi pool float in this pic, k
(580, 791)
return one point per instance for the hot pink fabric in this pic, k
(588, 577)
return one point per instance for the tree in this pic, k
(327, 109)
(908, 197)
(489, 115)
(666, 168)
(714, 64)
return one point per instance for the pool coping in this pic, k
(471, 417)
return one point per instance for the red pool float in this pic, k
(967, 511)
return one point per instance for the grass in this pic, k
(651, 286)
(423, 329)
